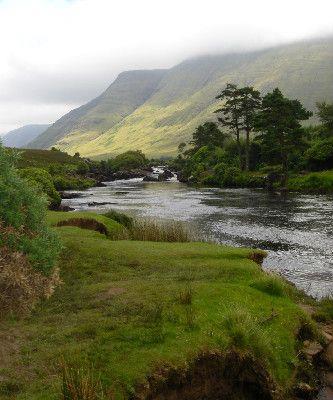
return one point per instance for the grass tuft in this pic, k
(272, 285)
(185, 296)
(154, 231)
(79, 383)
(246, 333)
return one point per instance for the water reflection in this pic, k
(296, 230)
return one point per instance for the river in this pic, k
(297, 231)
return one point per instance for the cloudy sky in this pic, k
(58, 54)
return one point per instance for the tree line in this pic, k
(254, 132)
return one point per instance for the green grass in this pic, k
(114, 228)
(128, 306)
(315, 182)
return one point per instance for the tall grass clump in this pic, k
(246, 333)
(272, 285)
(160, 231)
(28, 247)
(185, 296)
(79, 383)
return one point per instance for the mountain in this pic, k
(121, 98)
(20, 137)
(156, 110)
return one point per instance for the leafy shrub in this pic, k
(230, 176)
(317, 182)
(129, 160)
(320, 155)
(123, 219)
(44, 181)
(271, 285)
(22, 218)
(82, 168)
(64, 182)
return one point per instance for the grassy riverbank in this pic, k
(127, 307)
(315, 182)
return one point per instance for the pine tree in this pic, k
(280, 129)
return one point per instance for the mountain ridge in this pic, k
(23, 135)
(184, 96)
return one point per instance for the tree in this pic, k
(238, 112)
(325, 114)
(208, 134)
(250, 103)
(231, 118)
(280, 129)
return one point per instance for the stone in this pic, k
(328, 354)
(312, 349)
(304, 390)
(327, 337)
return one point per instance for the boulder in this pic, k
(151, 178)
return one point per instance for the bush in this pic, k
(22, 218)
(320, 155)
(41, 178)
(316, 182)
(64, 182)
(129, 160)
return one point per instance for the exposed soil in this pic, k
(85, 223)
(210, 376)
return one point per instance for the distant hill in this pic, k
(156, 110)
(22, 136)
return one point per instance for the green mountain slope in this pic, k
(121, 98)
(185, 96)
(20, 137)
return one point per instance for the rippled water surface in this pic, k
(297, 231)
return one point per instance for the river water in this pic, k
(297, 231)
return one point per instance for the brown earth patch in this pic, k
(85, 223)
(209, 376)
(257, 257)
(111, 292)
(21, 286)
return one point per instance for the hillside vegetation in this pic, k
(121, 98)
(156, 119)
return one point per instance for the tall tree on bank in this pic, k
(279, 125)
(239, 110)
(230, 111)
(250, 103)
(325, 114)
